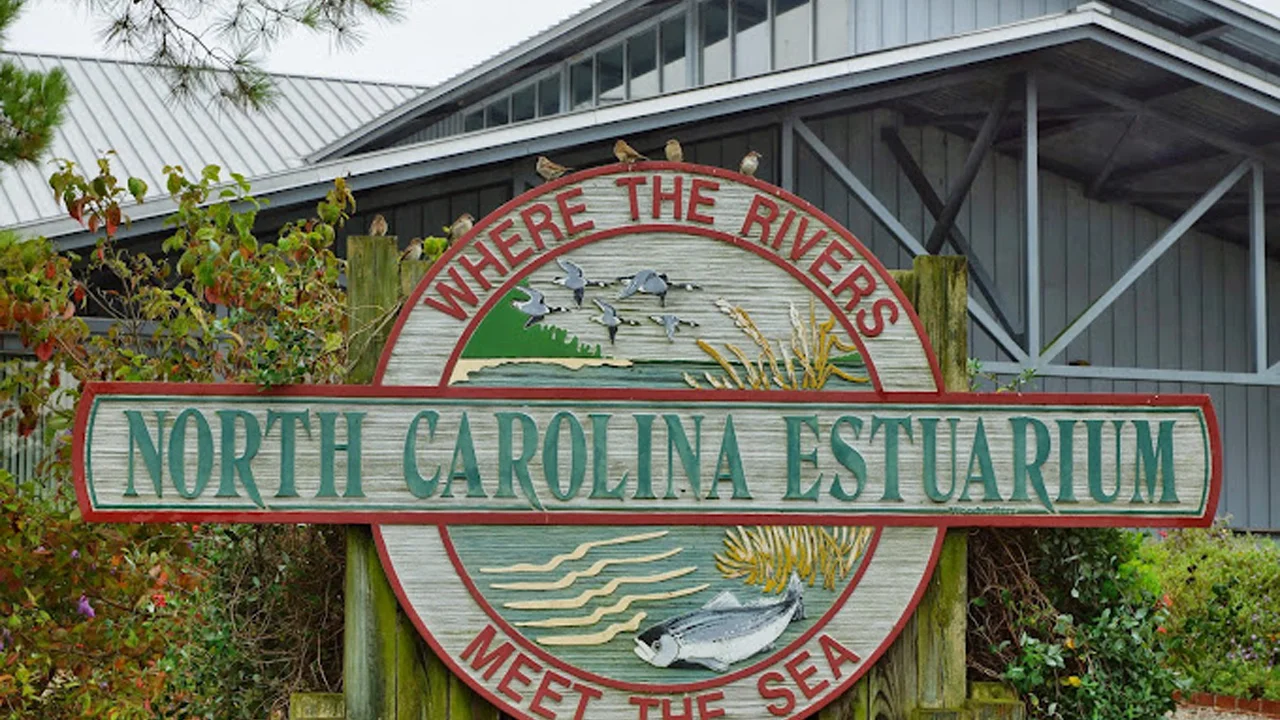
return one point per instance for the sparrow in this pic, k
(750, 163)
(461, 227)
(378, 226)
(413, 252)
(675, 153)
(548, 170)
(610, 319)
(626, 154)
(671, 324)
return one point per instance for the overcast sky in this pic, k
(436, 40)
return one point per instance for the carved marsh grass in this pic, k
(766, 555)
(803, 362)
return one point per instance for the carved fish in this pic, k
(722, 632)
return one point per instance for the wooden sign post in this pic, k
(652, 442)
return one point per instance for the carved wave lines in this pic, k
(605, 590)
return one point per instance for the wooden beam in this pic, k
(1207, 30)
(972, 164)
(933, 203)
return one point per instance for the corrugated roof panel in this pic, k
(127, 107)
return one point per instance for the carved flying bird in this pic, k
(575, 279)
(671, 324)
(651, 282)
(534, 305)
(610, 319)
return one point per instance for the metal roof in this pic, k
(867, 75)
(1232, 27)
(127, 107)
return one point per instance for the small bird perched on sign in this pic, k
(627, 154)
(413, 252)
(378, 226)
(548, 170)
(675, 153)
(461, 227)
(750, 163)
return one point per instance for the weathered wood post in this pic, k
(923, 673)
(389, 673)
(369, 647)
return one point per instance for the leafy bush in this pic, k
(124, 621)
(1223, 593)
(1071, 619)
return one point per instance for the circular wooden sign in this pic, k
(647, 294)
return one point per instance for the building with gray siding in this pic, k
(1104, 166)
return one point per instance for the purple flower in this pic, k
(84, 608)
(75, 554)
(5, 638)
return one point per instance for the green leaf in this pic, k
(137, 188)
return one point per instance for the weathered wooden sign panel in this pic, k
(651, 442)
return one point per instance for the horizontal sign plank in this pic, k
(720, 457)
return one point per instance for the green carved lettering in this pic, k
(152, 452)
(577, 456)
(290, 421)
(465, 450)
(849, 458)
(419, 486)
(1024, 471)
(177, 453)
(329, 448)
(1066, 461)
(981, 455)
(690, 454)
(644, 457)
(241, 465)
(600, 461)
(1093, 429)
(891, 426)
(1154, 459)
(731, 457)
(794, 457)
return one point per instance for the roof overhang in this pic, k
(868, 74)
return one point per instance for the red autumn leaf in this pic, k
(113, 219)
(93, 223)
(44, 350)
(77, 295)
(50, 270)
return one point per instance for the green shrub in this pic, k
(1071, 619)
(1223, 593)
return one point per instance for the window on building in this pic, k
(473, 121)
(833, 29)
(751, 37)
(497, 113)
(673, 68)
(610, 72)
(714, 36)
(791, 33)
(549, 95)
(581, 87)
(642, 64)
(524, 105)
